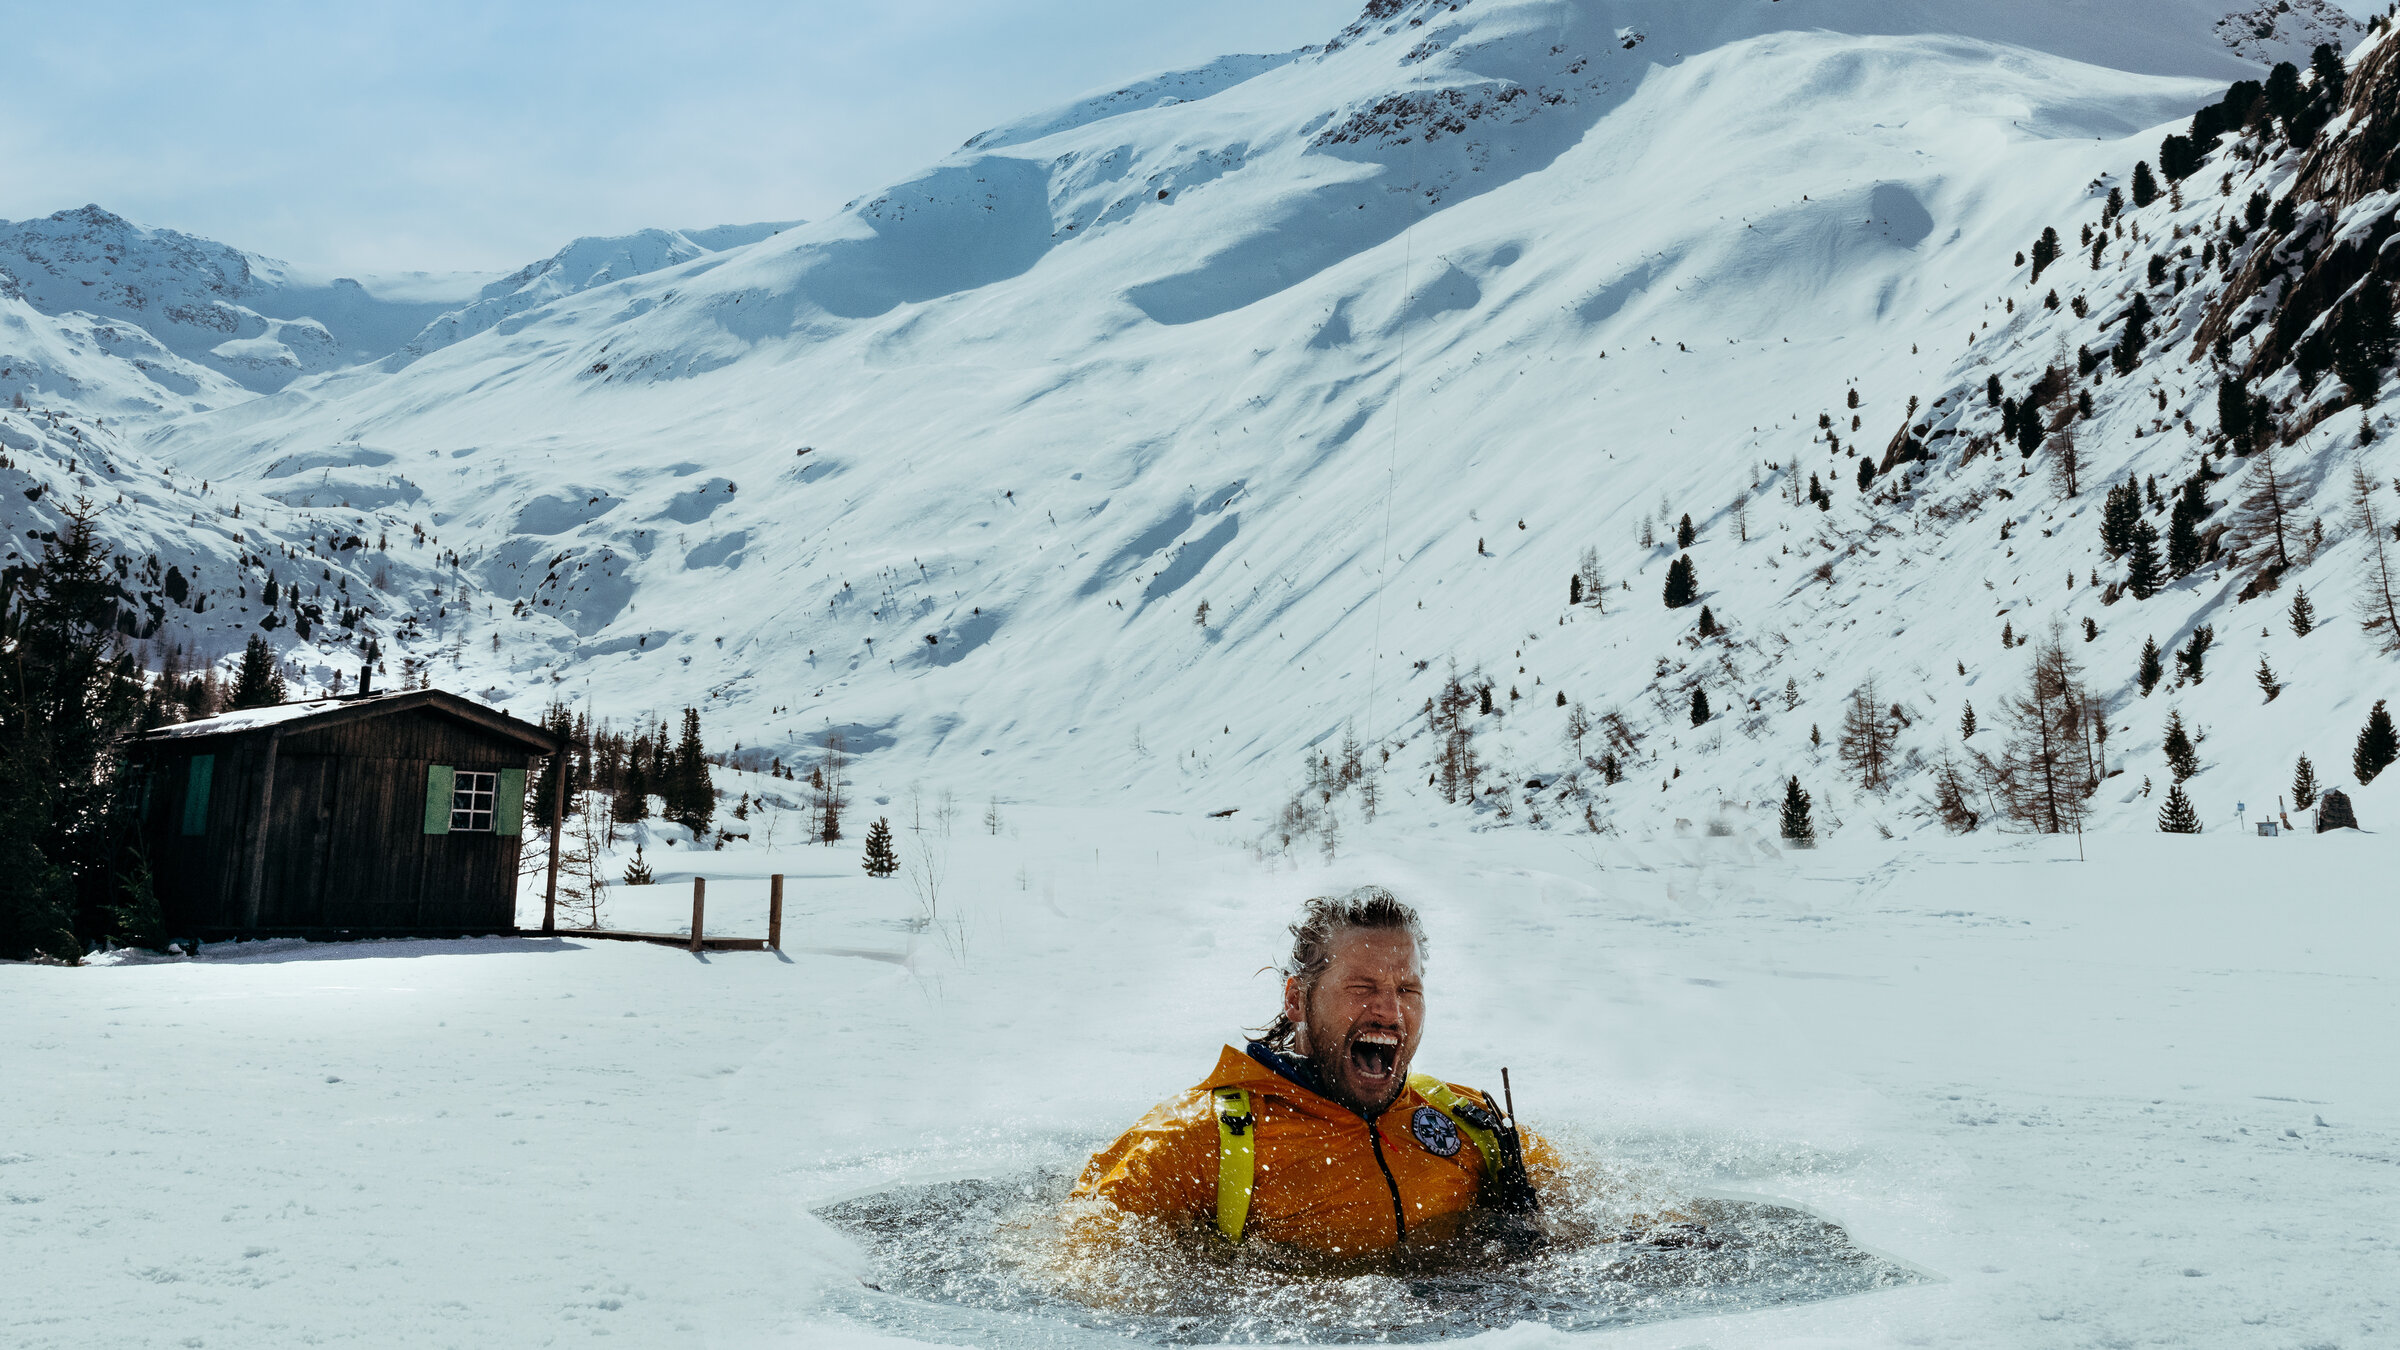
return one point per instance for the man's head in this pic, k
(1354, 996)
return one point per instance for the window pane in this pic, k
(471, 801)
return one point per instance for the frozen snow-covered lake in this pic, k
(2144, 1099)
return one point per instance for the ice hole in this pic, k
(988, 1262)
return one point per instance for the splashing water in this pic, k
(992, 1261)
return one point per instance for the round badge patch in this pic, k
(1435, 1131)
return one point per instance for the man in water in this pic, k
(1317, 1136)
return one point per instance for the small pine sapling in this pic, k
(1797, 827)
(2151, 670)
(1700, 711)
(2303, 614)
(1966, 723)
(2304, 784)
(880, 860)
(2267, 682)
(2176, 815)
(637, 872)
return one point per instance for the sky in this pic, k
(447, 136)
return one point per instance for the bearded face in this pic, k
(1362, 1018)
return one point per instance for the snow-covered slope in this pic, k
(580, 266)
(1362, 346)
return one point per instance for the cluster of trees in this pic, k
(629, 767)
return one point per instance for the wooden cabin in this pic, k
(377, 815)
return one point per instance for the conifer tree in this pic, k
(2284, 216)
(2182, 760)
(1700, 711)
(2122, 511)
(2184, 548)
(2145, 184)
(1708, 622)
(69, 696)
(2364, 338)
(2304, 785)
(2283, 92)
(1797, 827)
(1574, 589)
(2144, 573)
(1684, 533)
(2193, 657)
(1953, 797)
(2233, 414)
(2176, 816)
(880, 860)
(2303, 614)
(1867, 738)
(2268, 505)
(637, 872)
(630, 802)
(2152, 669)
(1966, 723)
(2046, 769)
(2045, 251)
(2332, 77)
(1683, 584)
(2267, 682)
(1866, 473)
(2377, 745)
(691, 796)
(259, 681)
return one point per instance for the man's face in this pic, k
(1363, 1019)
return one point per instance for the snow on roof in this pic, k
(253, 719)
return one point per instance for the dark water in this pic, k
(985, 1262)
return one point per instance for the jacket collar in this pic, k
(1264, 1070)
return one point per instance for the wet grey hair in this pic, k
(1324, 919)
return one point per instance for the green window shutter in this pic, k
(439, 779)
(508, 813)
(202, 770)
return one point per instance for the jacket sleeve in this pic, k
(1165, 1167)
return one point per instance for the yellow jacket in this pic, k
(1327, 1179)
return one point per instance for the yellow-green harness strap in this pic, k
(1237, 1159)
(1438, 1094)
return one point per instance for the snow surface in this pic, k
(2126, 1101)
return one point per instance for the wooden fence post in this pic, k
(558, 823)
(775, 911)
(699, 902)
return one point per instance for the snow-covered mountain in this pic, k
(580, 266)
(106, 325)
(1363, 346)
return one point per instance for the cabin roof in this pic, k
(323, 712)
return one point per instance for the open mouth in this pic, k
(1374, 1055)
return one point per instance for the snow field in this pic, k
(2085, 1096)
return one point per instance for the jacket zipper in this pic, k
(1399, 1218)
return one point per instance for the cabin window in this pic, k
(471, 799)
